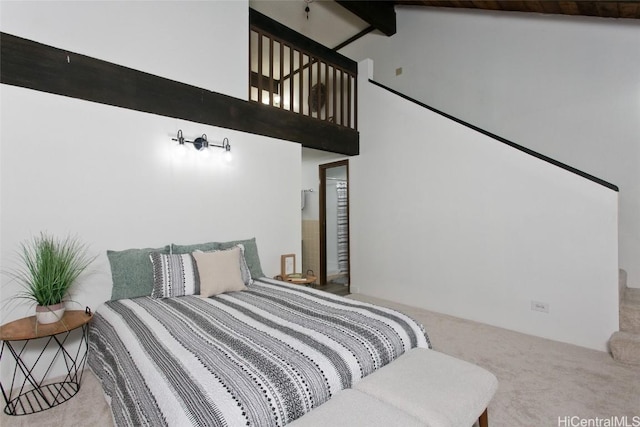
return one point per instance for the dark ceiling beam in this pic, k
(380, 14)
(355, 37)
(629, 9)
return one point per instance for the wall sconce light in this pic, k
(201, 143)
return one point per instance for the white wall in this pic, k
(455, 222)
(113, 177)
(110, 175)
(202, 43)
(568, 87)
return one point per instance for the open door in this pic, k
(334, 227)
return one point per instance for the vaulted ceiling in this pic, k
(381, 14)
(602, 8)
(333, 22)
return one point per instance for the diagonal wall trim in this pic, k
(33, 65)
(503, 140)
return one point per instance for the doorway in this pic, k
(334, 227)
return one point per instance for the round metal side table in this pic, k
(30, 389)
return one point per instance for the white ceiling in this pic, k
(329, 23)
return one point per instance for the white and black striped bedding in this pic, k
(260, 357)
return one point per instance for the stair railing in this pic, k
(503, 140)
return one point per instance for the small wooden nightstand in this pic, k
(33, 395)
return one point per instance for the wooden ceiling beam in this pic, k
(608, 10)
(380, 14)
(629, 9)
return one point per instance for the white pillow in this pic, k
(219, 271)
(245, 272)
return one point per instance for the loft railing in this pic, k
(294, 73)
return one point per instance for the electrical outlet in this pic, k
(540, 306)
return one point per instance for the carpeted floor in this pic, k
(542, 382)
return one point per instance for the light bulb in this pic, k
(228, 157)
(180, 150)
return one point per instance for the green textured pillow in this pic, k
(132, 272)
(250, 255)
(187, 249)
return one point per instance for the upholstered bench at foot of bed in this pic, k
(421, 388)
(356, 409)
(438, 390)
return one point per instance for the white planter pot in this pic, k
(50, 313)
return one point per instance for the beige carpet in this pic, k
(540, 380)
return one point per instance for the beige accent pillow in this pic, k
(219, 272)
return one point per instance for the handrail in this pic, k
(503, 140)
(317, 50)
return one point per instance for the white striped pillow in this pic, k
(174, 275)
(244, 268)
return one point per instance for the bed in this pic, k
(263, 356)
(191, 337)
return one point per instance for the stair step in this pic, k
(622, 284)
(632, 296)
(630, 311)
(625, 347)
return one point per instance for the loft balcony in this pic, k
(324, 119)
(306, 82)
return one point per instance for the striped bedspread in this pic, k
(260, 357)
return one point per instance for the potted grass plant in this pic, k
(50, 268)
